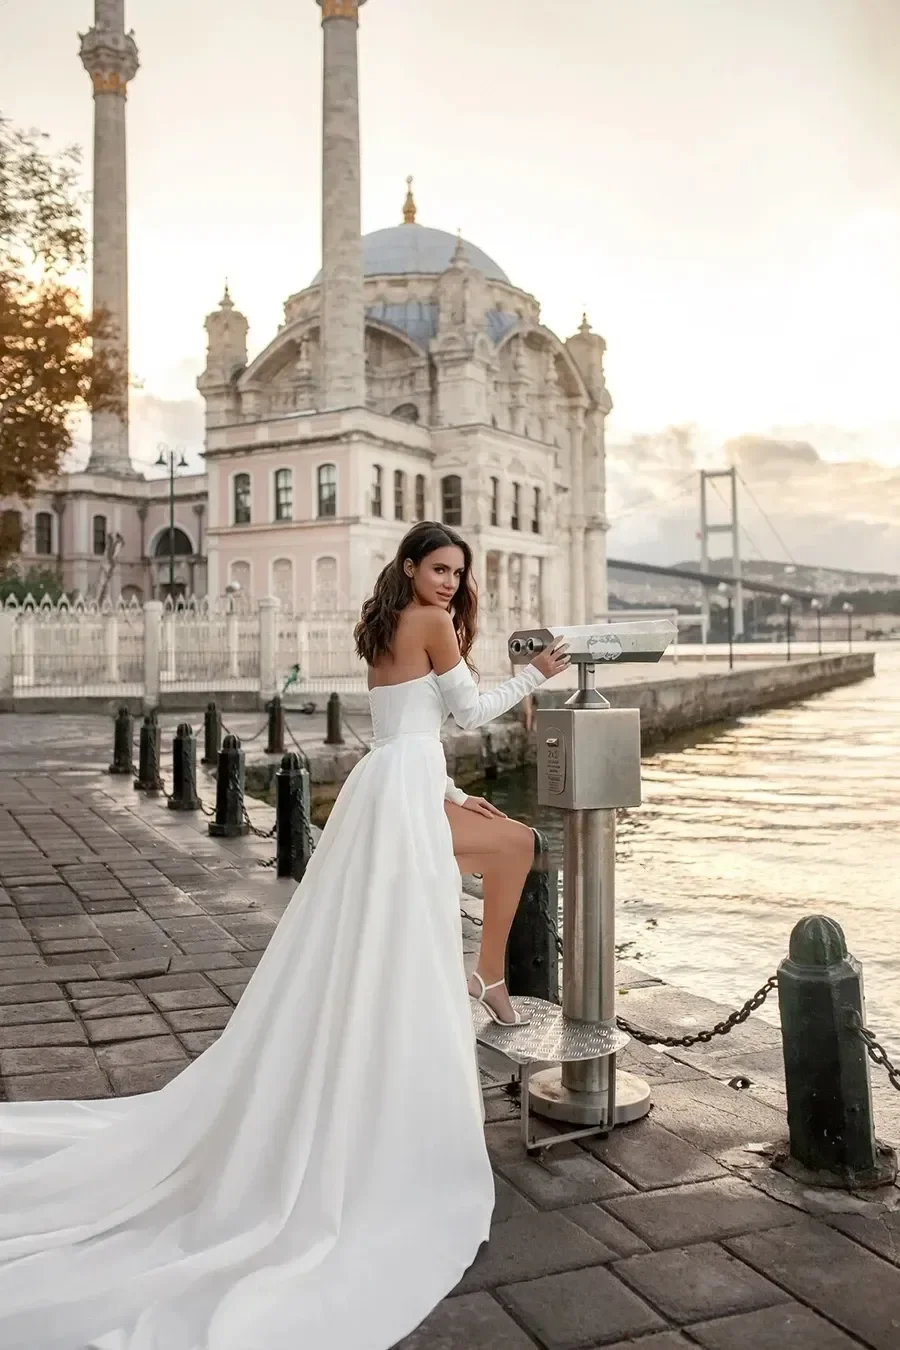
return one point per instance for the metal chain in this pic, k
(876, 1052)
(704, 1037)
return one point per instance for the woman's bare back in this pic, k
(408, 658)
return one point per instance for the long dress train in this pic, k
(317, 1179)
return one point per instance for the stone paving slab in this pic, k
(690, 1283)
(789, 1326)
(579, 1308)
(848, 1284)
(709, 1211)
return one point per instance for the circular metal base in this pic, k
(548, 1098)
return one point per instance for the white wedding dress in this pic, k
(317, 1179)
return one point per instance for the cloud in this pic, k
(770, 458)
(792, 501)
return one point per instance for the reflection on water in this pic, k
(742, 833)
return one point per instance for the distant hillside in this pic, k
(629, 588)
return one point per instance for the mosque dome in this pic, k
(403, 250)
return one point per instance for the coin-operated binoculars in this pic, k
(589, 763)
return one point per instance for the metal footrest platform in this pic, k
(550, 1038)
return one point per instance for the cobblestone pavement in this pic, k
(127, 936)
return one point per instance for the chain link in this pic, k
(704, 1037)
(876, 1052)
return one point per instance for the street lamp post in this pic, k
(787, 602)
(816, 606)
(725, 592)
(848, 610)
(167, 459)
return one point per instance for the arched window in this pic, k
(99, 536)
(420, 496)
(515, 520)
(284, 494)
(241, 489)
(495, 501)
(399, 495)
(407, 412)
(240, 576)
(183, 545)
(43, 533)
(283, 584)
(325, 584)
(377, 507)
(10, 531)
(326, 478)
(451, 499)
(536, 512)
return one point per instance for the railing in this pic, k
(78, 650)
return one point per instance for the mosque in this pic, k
(410, 379)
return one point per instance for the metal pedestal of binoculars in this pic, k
(589, 764)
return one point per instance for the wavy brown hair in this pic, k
(374, 634)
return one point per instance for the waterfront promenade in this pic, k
(127, 936)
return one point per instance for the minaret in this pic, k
(343, 301)
(110, 57)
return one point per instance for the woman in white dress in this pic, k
(317, 1179)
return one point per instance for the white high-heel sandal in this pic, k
(480, 998)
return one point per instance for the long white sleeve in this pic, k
(454, 794)
(470, 709)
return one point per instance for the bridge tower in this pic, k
(731, 527)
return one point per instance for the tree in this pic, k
(51, 365)
(38, 582)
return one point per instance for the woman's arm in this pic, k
(459, 690)
(470, 709)
(454, 794)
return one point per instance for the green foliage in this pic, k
(37, 582)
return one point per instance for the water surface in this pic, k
(745, 830)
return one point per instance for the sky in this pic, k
(717, 182)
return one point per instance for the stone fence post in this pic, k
(268, 641)
(111, 647)
(7, 668)
(153, 613)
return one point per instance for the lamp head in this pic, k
(787, 601)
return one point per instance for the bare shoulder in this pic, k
(439, 638)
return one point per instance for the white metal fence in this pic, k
(77, 649)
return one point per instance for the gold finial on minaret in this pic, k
(409, 206)
(585, 330)
(340, 9)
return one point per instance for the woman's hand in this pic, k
(481, 807)
(554, 660)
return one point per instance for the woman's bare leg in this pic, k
(501, 851)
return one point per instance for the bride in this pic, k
(317, 1179)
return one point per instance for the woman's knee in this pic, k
(518, 840)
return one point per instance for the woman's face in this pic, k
(437, 577)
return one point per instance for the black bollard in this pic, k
(212, 735)
(532, 956)
(230, 821)
(184, 771)
(826, 1067)
(333, 718)
(275, 710)
(148, 779)
(294, 843)
(489, 766)
(123, 744)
